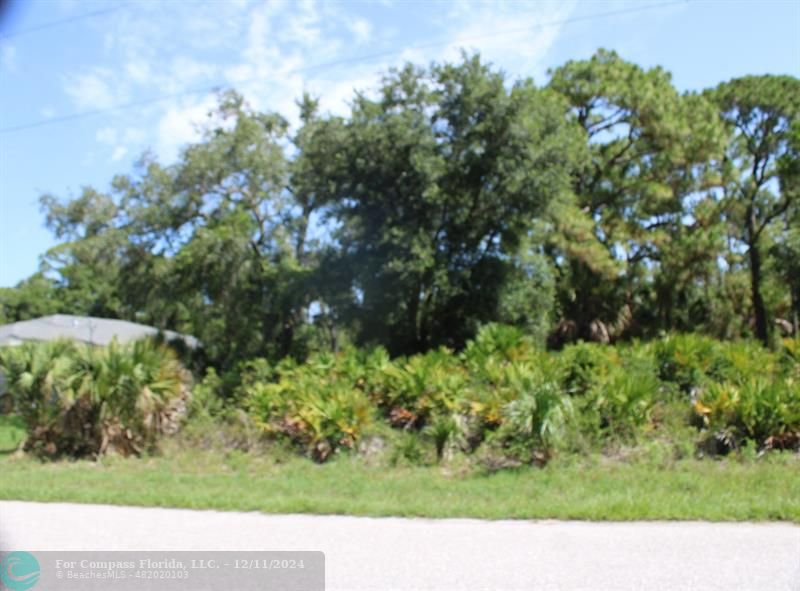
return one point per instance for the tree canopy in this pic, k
(603, 205)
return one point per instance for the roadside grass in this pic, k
(12, 432)
(595, 488)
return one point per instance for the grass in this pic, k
(590, 489)
(12, 432)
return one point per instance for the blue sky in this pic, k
(138, 50)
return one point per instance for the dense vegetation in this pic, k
(442, 273)
(77, 400)
(603, 206)
(502, 402)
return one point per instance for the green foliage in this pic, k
(689, 361)
(624, 402)
(506, 402)
(535, 420)
(604, 206)
(417, 388)
(685, 359)
(649, 151)
(34, 297)
(501, 402)
(435, 182)
(766, 413)
(761, 113)
(790, 357)
(499, 340)
(408, 449)
(78, 400)
(316, 406)
(12, 433)
(583, 364)
(207, 398)
(444, 431)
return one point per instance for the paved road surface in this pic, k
(364, 553)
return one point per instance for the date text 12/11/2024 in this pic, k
(171, 571)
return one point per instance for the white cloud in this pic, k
(302, 25)
(138, 71)
(106, 135)
(93, 90)
(186, 70)
(119, 153)
(8, 58)
(120, 141)
(361, 29)
(271, 52)
(514, 36)
(133, 135)
(180, 125)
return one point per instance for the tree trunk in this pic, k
(762, 326)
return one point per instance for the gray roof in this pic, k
(86, 329)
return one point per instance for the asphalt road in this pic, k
(366, 553)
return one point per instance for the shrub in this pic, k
(416, 389)
(314, 405)
(534, 420)
(82, 401)
(624, 401)
(690, 361)
(408, 450)
(584, 364)
(764, 412)
(741, 362)
(515, 401)
(207, 396)
(790, 357)
(498, 341)
(445, 433)
(685, 360)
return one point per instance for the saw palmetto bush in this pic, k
(83, 401)
(141, 391)
(624, 402)
(535, 420)
(498, 341)
(316, 406)
(419, 388)
(690, 361)
(584, 364)
(764, 412)
(38, 378)
(511, 402)
(685, 359)
(790, 357)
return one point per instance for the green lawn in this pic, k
(765, 489)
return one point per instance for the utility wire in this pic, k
(330, 64)
(64, 21)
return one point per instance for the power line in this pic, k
(63, 21)
(330, 64)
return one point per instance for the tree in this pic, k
(759, 112)
(207, 246)
(786, 250)
(433, 185)
(448, 199)
(87, 260)
(648, 150)
(33, 297)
